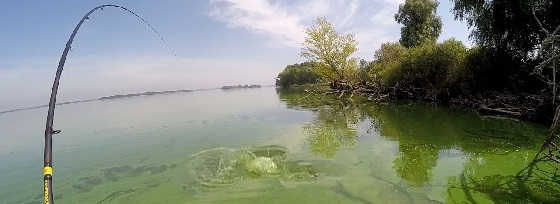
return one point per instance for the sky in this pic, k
(210, 43)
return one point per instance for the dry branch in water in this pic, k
(549, 50)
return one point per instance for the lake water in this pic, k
(272, 146)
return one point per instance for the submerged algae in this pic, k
(262, 166)
(222, 166)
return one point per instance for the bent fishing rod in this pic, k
(49, 131)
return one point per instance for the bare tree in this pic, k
(550, 51)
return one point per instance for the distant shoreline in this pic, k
(252, 86)
(147, 93)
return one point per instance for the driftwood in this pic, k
(500, 118)
(499, 111)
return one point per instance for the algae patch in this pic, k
(262, 166)
(217, 167)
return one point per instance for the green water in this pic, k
(272, 146)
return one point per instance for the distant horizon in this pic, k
(144, 93)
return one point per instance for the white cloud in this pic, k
(284, 23)
(349, 12)
(262, 17)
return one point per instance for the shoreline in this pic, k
(527, 107)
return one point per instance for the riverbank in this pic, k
(530, 107)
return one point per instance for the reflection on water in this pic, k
(332, 129)
(415, 162)
(274, 146)
(492, 152)
(334, 125)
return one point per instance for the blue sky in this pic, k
(216, 42)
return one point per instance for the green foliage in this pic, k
(364, 69)
(429, 66)
(420, 22)
(415, 67)
(447, 67)
(476, 74)
(297, 74)
(386, 59)
(451, 56)
(390, 53)
(330, 51)
(508, 25)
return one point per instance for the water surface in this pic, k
(201, 147)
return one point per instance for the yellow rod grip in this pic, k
(47, 170)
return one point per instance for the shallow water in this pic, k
(186, 148)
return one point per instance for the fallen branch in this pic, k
(500, 118)
(498, 111)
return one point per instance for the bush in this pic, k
(429, 66)
(474, 76)
(386, 59)
(449, 68)
(389, 53)
(297, 74)
(362, 74)
(413, 69)
(451, 56)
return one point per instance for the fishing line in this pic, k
(146, 23)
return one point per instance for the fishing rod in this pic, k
(49, 131)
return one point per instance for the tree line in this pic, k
(516, 46)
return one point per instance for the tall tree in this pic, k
(330, 51)
(420, 22)
(508, 25)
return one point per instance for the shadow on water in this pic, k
(493, 157)
(538, 182)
